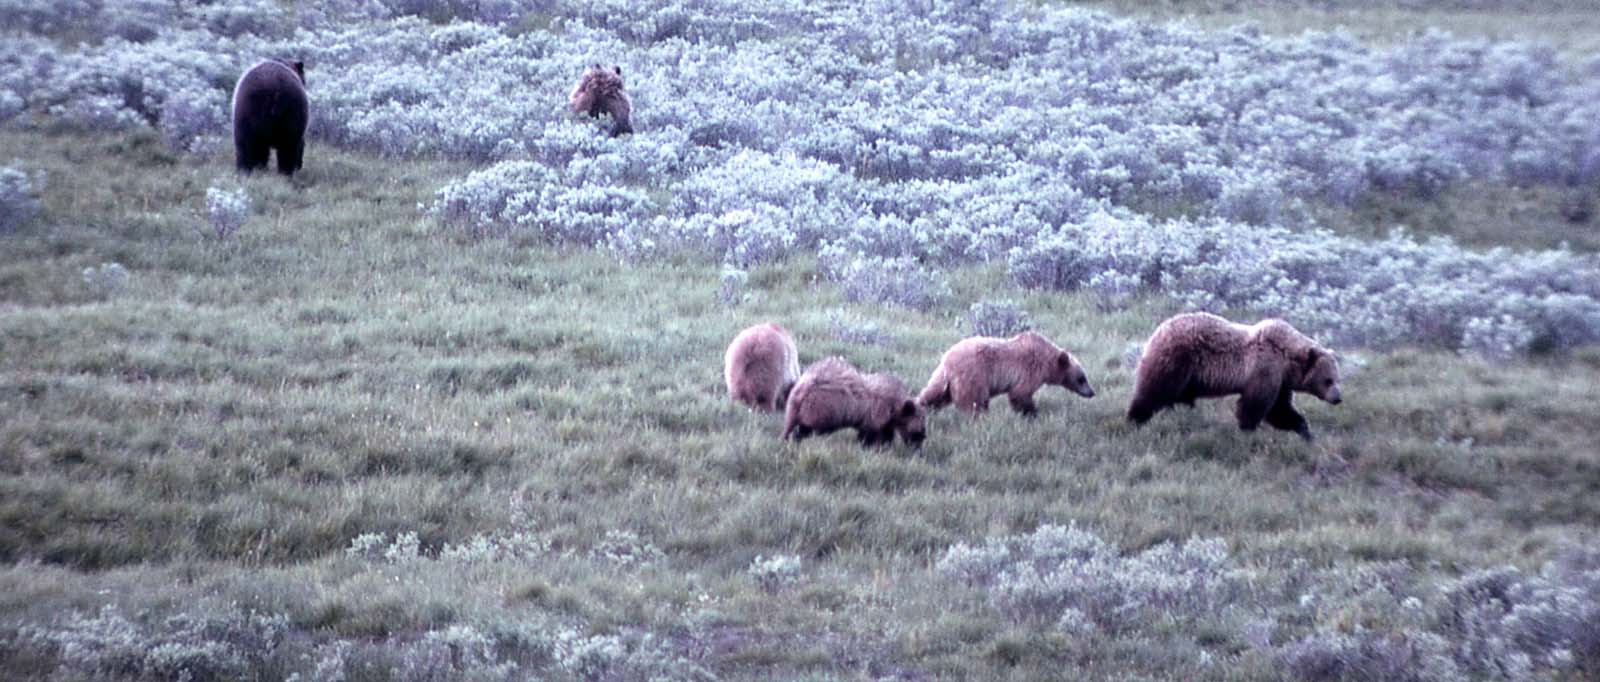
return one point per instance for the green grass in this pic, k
(1479, 215)
(218, 431)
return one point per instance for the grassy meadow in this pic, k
(351, 442)
(217, 431)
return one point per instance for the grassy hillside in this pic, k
(347, 440)
(1568, 25)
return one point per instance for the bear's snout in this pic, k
(1333, 397)
(1084, 390)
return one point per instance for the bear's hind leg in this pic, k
(1158, 389)
(1142, 409)
(289, 157)
(249, 156)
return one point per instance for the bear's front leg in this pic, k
(1253, 406)
(1023, 404)
(1258, 394)
(1284, 416)
(869, 438)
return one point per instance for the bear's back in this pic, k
(270, 88)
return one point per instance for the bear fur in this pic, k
(1200, 355)
(761, 366)
(271, 111)
(598, 91)
(833, 395)
(976, 369)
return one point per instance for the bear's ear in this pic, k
(1064, 360)
(908, 409)
(1312, 356)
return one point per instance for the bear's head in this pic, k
(298, 67)
(1067, 373)
(1319, 375)
(597, 85)
(910, 421)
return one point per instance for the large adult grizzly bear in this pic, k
(598, 91)
(979, 368)
(1200, 355)
(761, 366)
(833, 395)
(271, 111)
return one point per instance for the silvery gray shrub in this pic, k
(774, 572)
(19, 201)
(847, 328)
(106, 279)
(1002, 318)
(226, 210)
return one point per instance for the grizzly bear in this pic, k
(271, 111)
(1200, 355)
(979, 368)
(833, 395)
(600, 90)
(761, 366)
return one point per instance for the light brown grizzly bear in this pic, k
(1200, 355)
(833, 395)
(598, 91)
(761, 366)
(979, 368)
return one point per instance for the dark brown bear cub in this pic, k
(833, 395)
(1200, 355)
(271, 112)
(600, 91)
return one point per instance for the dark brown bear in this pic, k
(1200, 355)
(761, 366)
(833, 395)
(271, 111)
(600, 91)
(982, 367)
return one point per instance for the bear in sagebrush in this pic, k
(600, 91)
(761, 366)
(1200, 355)
(833, 395)
(979, 368)
(271, 112)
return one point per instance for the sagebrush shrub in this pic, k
(847, 328)
(106, 279)
(775, 572)
(1070, 577)
(226, 211)
(19, 201)
(1002, 318)
(895, 281)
